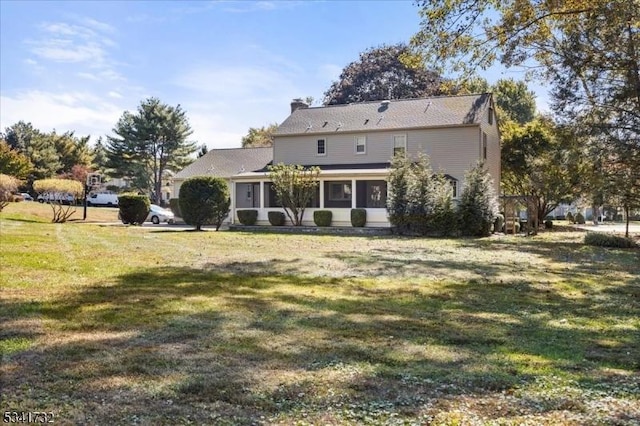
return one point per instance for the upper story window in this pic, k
(322, 147)
(399, 145)
(484, 146)
(361, 144)
(490, 115)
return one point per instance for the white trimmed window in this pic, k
(322, 147)
(399, 145)
(361, 144)
(490, 115)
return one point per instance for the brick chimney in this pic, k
(298, 104)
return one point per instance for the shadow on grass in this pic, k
(251, 344)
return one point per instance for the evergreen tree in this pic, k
(478, 204)
(149, 143)
(398, 193)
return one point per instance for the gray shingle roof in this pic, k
(225, 163)
(396, 114)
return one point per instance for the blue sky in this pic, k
(230, 64)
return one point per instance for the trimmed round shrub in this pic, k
(358, 218)
(548, 224)
(133, 208)
(570, 217)
(322, 217)
(276, 218)
(498, 223)
(174, 205)
(248, 217)
(204, 200)
(579, 219)
(601, 239)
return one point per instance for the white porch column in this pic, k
(232, 184)
(353, 193)
(261, 194)
(321, 193)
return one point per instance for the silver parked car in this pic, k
(158, 214)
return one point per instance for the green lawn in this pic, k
(139, 325)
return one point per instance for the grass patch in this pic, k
(123, 325)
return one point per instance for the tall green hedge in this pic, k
(204, 200)
(134, 208)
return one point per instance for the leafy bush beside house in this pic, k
(248, 217)
(276, 218)
(322, 217)
(358, 218)
(204, 200)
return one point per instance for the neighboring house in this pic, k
(353, 145)
(225, 163)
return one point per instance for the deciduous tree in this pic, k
(8, 186)
(295, 187)
(13, 163)
(257, 137)
(380, 74)
(58, 190)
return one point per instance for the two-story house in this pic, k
(353, 145)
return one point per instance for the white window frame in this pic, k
(359, 139)
(403, 145)
(324, 146)
(490, 115)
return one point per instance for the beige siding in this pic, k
(452, 150)
(493, 148)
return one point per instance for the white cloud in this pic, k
(81, 112)
(115, 95)
(235, 81)
(65, 50)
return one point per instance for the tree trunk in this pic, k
(626, 213)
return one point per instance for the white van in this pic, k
(102, 199)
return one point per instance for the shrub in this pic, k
(174, 205)
(548, 224)
(570, 217)
(276, 218)
(322, 217)
(579, 219)
(133, 208)
(204, 200)
(248, 217)
(478, 204)
(498, 224)
(358, 218)
(607, 240)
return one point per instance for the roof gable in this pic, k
(387, 115)
(225, 163)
